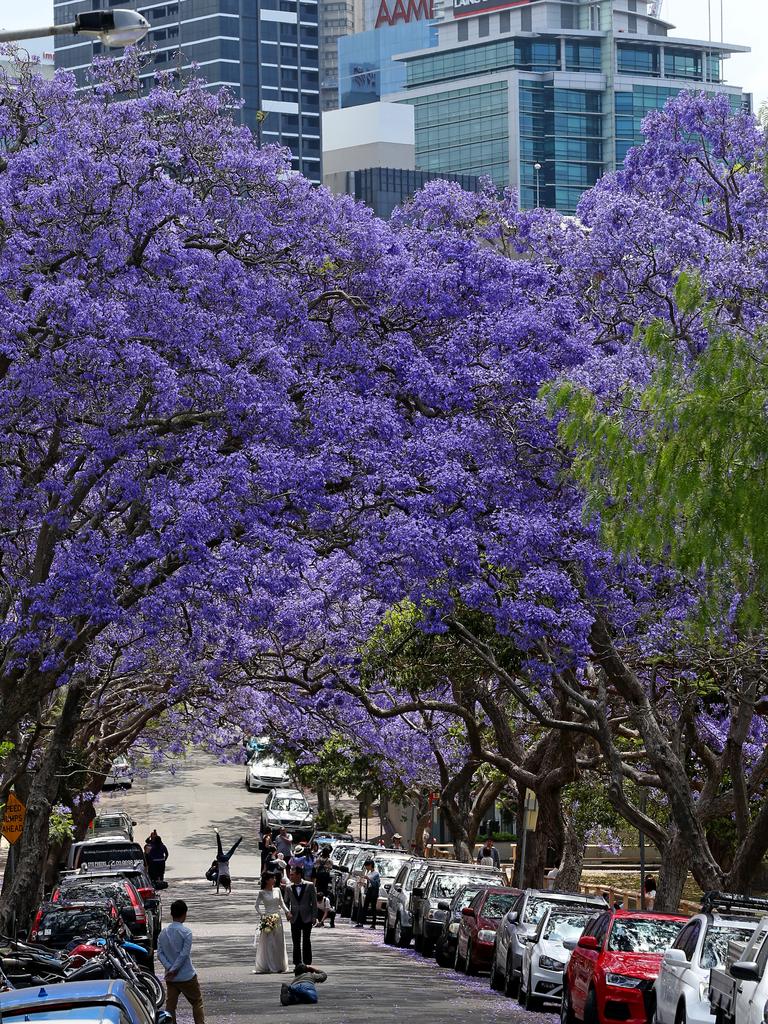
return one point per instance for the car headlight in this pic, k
(486, 935)
(435, 915)
(453, 928)
(550, 964)
(622, 980)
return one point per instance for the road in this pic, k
(367, 981)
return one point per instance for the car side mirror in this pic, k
(530, 938)
(675, 956)
(512, 916)
(442, 905)
(418, 894)
(398, 887)
(745, 970)
(468, 912)
(587, 942)
(136, 823)
(570, 944)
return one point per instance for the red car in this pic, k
(611, 972)
(477, 929)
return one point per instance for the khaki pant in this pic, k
(191, 992)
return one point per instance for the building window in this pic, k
(463, 31)
(505, 22)
(526, 21)
(638, 60)
(483, 25)
(683, 64)
(632, 23)
(568, 15)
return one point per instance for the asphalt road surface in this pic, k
(367, 982)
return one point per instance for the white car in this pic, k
(264, 772)
(682, 987)
(546, 955)
(120, 773)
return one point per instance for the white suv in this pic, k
(682, 987)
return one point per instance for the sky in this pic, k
(745, 21)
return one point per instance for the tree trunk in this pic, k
(323, 798)
(673, 873)
(572, 859)
(749, 854)
(23, 895)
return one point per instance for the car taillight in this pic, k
(146, 893)
(138, 906)
(36, 925)
(55, 896)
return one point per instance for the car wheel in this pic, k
(680, 1017)
(496, 978)
(389, 933)
(427, 947)
(441, 957)
(469, 967)
(418, 942)
(590, 1008)
(510, 981)
(530, 1001)
(567, 1016)
(458, 964)
(402, 935)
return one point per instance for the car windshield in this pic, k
(70, 923)
(388, 867)
(565, 925)
(537, 907)
(289, 803)
(463, 898)
(93, 890)
(498, 903)
(715, 949)
(647, 935)
(446, 885)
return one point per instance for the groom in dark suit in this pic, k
(302, 909)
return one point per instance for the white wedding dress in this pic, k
(271, 957)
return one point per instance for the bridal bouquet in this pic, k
(269, 922)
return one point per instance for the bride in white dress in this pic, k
(271, 957)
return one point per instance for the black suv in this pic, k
(438, 885)
(138, 920)
(445, 947)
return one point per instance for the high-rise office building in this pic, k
(337, 19)
(265, 51)
(548, 95)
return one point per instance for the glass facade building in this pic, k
(367, 69)
(384, 188)
(265, 51)
(548, 95)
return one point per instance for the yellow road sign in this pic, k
(13, 819)
(530, 811)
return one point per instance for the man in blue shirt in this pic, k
(174, 948)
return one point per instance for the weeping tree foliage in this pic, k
(678, 470)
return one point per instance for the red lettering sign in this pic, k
(412, 10)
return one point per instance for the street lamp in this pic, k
(113, 28)
(537, 168)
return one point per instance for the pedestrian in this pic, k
(372, 887)
(397, 841)
(301, 859)
(650, 892)
(264, 844)
(489, 855)
(284, 843)
(302, 988)
(213, 872)
(174, 948)
(302, 911)
(323, 871)
(156, 853)
(224, 877)
(324, 910)
(271, 957)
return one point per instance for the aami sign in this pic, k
(397, 11)
(463, 8)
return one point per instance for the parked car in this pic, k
(57, 924)
(398, 922)
(349, 875)
(332, 839)
(112, 823)
(477, 931)
(287, 808)
(438, 884)
(547, 952)
(520, 923)
(137, 874)
(614, 965)
(98, 1002)
(738, 992)
(102, 851)
(445, 947)
(387, 862)
(682, 987)
(120, 774)
(138, 920)
(264, 772)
